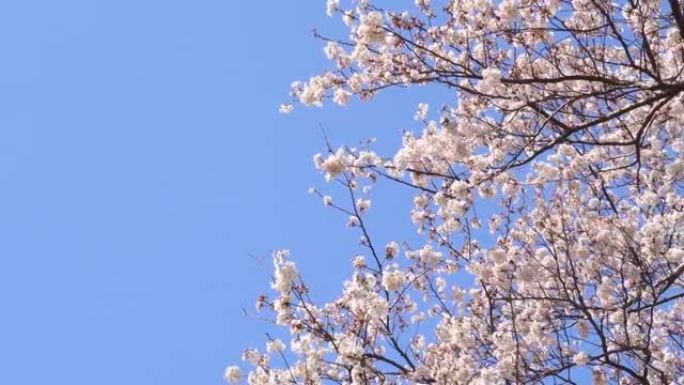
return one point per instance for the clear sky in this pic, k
(145, 171)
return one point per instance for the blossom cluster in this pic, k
(548, 197)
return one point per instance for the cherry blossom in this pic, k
(233, 374)
(548, 197)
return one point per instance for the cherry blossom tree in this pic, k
(567, 121)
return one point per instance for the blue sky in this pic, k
(144, 172)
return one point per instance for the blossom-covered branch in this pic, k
(567, 122)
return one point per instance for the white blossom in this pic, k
(341, 96)
(580, 358)
(285, 272)
(331, 6)
(275, 345)
(421, 112)
(233, 374)
(363, 204)
(392, 280)
(285, 108)
(333, 166)
(391, 250)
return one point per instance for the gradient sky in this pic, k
(145, 176)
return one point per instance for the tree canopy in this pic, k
(567, 118)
